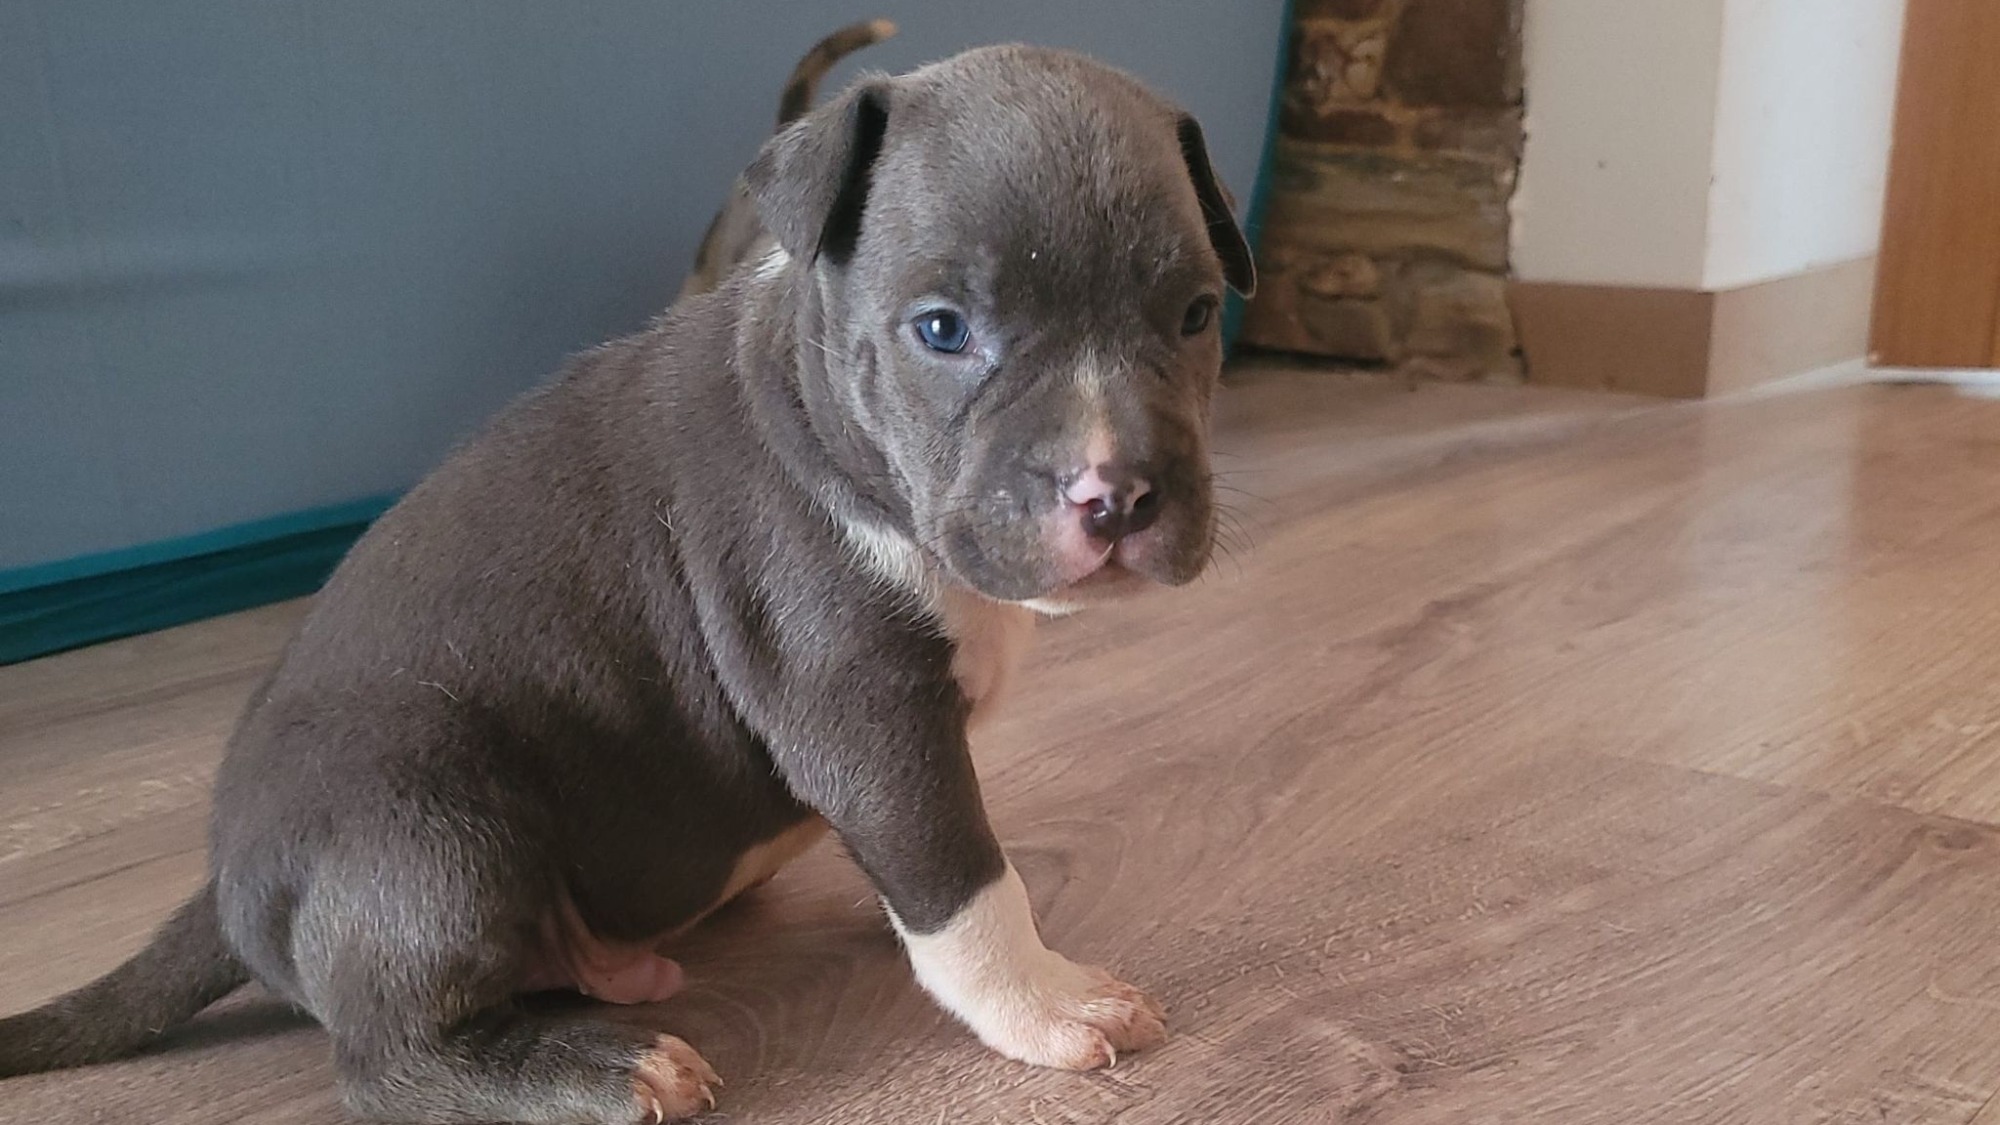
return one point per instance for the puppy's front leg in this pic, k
(920, 831)
(988, 966)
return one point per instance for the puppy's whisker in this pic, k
(1227, 523)
(1247, 495)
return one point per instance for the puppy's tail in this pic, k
(186, 968)
(804, 82)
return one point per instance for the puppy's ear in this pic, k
(810, 182)
(1218, 209)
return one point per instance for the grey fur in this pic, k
(621, 637)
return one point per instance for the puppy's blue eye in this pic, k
(1197, 316)
(942, 330)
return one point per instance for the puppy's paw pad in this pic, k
(671, 1081)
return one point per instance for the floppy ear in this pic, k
(810, 181)
(1216, 207)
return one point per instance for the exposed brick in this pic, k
(1451, 53)
(1494, 134)
(1349, 329)
(1286, 317)
(1460, 316)
(1336, 9)
(1330, 201)
(1343, 275)
(1334, 64)
(1339, 126)
(1385, 240)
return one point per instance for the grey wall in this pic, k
(263, 256)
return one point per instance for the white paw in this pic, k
(1079, 1019)
(988, 967)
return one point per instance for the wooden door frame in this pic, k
(1937, 289)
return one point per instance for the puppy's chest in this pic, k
(989, 639)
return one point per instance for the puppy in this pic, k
(735, 235)
(726, 585)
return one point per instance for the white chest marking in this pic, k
(773, 263)
(989, 637)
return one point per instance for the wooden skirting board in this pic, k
(1684, 343)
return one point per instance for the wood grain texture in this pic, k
(1937, 297)
(1536, 759)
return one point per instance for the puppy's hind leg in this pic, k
(410, 955)
(502, 1065)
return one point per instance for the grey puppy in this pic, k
(740, 578)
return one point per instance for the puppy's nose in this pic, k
(1112, 501)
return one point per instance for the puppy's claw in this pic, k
(1084, 1026)
(672, 1081)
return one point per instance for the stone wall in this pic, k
(1385, 235)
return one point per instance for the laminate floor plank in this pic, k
(1532, 757)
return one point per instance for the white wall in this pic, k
(1702, 144)
(1806, 94)
(1621, 120)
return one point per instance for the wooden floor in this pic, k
(1534, 759)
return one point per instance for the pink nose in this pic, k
(1112, 501)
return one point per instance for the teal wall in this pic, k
(262, 262)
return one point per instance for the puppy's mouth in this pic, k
(1113, 579)
(1109, 573)
(1093, 570)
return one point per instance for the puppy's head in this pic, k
(1015, 261)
